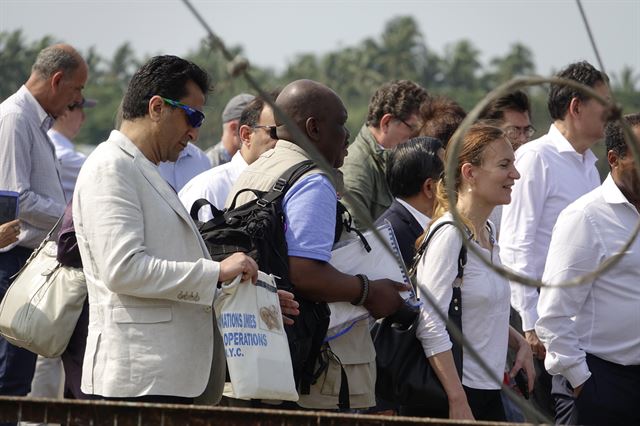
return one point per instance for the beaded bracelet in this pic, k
(365, 290)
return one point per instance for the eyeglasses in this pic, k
(271, 130)
(267, 128)
(514, 132)
(409, 126)
(194, 117)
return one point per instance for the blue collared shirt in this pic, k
(191, 162)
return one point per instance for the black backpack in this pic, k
(257, 229)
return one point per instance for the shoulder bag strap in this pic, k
(455, 306)
(40, 247)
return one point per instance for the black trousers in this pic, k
(611, 395)
(484, 404)
(17, 365)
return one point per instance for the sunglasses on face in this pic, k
(194, 117)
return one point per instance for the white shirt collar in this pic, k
(611, 193)
(421, 218)
(563, 145)
(45, 121)
(238, 158)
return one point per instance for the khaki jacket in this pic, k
(355, 349)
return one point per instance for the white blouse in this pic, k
(485, 305)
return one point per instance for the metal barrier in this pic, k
(107, 413)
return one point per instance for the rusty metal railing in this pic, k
(107, 413)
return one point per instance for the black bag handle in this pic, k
(232, 206)
(198, 204)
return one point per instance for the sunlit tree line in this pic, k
(354, 72)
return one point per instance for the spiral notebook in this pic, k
(351, 257)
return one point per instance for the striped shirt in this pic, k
(29, 166)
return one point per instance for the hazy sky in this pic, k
(273, 32)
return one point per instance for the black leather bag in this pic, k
(404, 375)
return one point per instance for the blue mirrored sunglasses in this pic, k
(194, 117)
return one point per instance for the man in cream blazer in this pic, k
(151, 283)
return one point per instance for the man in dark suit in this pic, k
(412, 172)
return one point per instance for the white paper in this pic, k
(352, 258)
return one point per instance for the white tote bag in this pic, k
(41, 307)
(255, 343)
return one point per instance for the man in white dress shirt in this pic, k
(64, 131)
(229, 144)
(255, 131)
(29, 167)
(591, 331)
(555, 170)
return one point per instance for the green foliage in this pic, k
(354, 72)
(16, 58)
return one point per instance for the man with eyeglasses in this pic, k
(556, 169)
(393, 118)
(256, 130)
(230, 143)
(151, 283)
(513, 112)
(192, 160)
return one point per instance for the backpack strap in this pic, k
(285, 181)
(282, 184)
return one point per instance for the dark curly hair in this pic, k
(560, 95)
(400, 98)
(166, 76)
(614, 134)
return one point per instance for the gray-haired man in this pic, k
(30, 167)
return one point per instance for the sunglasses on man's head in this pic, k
(194, 117)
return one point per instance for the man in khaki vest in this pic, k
(310, 213)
